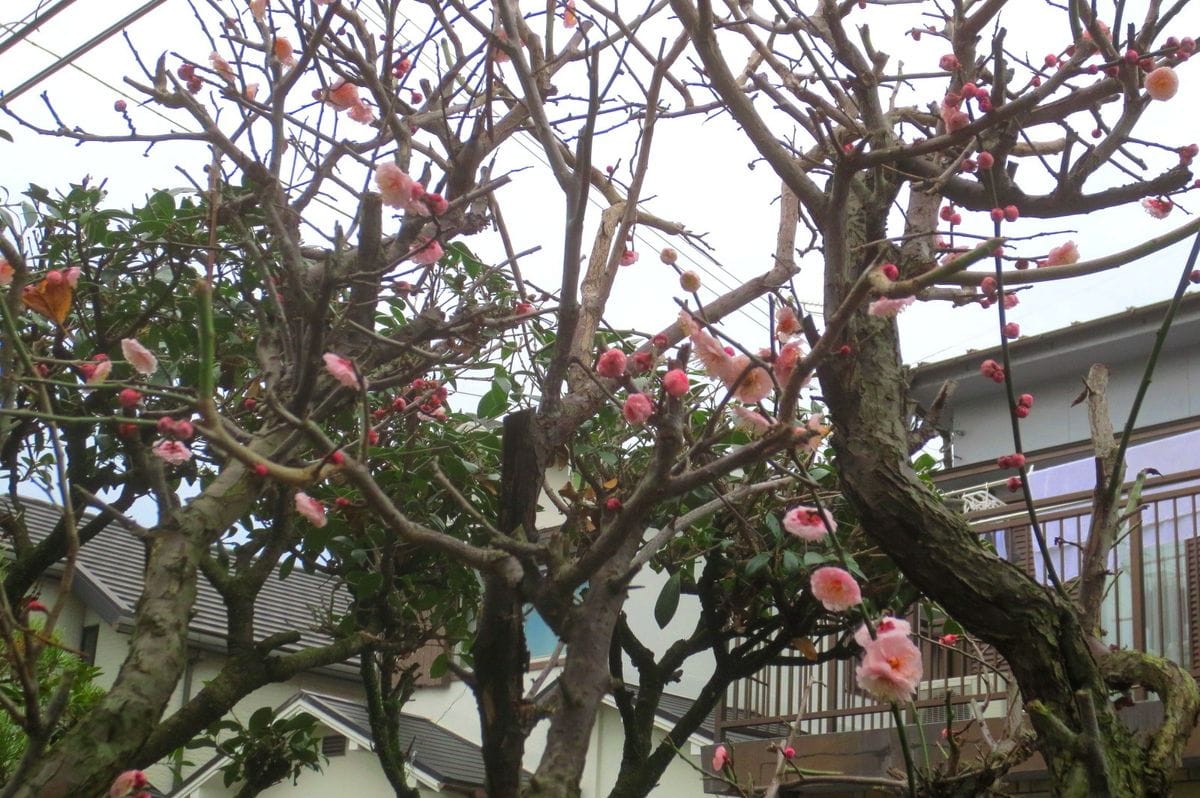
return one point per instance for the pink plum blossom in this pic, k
(125, 784)
(675, 382)
(221, 67)
(891, 668)
(887, 625)
(341, 369)
(397, 188)
(786, 360)
(808, 523)
(629, 257)
(141, 358)
(172, 452)
(886, 308)
(71, 275)
(750, 384)
(835, 589)
(750, 421)
(428, 252)
(637, 408)
(1162, 83)
(311, 509)
(723, 365)
(1062, 255)
(611, 364)
(362, 113)
(6, 273)
(96, 372)
(341, 94)
(434, 203)
(284, 52)
(720, 758)
(1157, 207)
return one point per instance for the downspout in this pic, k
(186, 694)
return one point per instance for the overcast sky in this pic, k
(707, 167)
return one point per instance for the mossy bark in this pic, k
(1036, 631)
(87, 758)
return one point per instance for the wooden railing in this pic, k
(1152, 604)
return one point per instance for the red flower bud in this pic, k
(337, 458)
(612, 504)
(890, 271)
(260, 469)
(129, 398)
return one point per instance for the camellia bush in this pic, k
(275, 359)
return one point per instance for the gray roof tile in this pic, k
(434, 749)
(111, 566)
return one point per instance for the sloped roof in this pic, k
(437, 757)
(109, 580)
(433, 749)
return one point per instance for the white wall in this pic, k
(982, 423)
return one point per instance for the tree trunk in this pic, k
(501, 660)
(91, 754)
(1035, 630)
(585, 679)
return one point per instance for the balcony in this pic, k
(1153, 605)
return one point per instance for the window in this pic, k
(333, 745)
(87, 643)
(539, 637)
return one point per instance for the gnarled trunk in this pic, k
(1036, 630)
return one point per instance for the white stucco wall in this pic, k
(355, 775)
(982, 426)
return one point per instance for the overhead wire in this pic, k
(728, 281)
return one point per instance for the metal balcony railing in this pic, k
(1152, 604)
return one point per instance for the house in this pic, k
(440, 727)
(1153, 604)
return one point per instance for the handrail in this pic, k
(1168, 523)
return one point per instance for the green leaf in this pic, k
(791, 563)
(260, 721)
(814, 558)
(4, 134)
(773, 526)
(852, 566)
(668, 601)
(758, 562)
(493, 402)
(285, 567)
(439, 666)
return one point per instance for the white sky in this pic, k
(700, 172)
